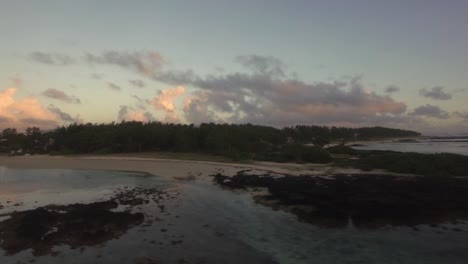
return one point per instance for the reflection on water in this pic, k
(203, 223)
(455, 146)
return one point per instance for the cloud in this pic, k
(3, 120)
(430, 111)
(171, 117)
(264, 94)
(460, 90)
(261, 92)
(392, 89)
(265, 99)
(64, 116)
(114, 86)
(165, 102)
(51, 58)
(140, 102)
(127, 113)
(61, 96)
(149, 116)
(149, 64)
(141, 62)
(137, 83)
(16, 82)
(462, 115)
(96, 76)
(24, 113)
(165, 99)
(436, 92)
(175, 77)
(196, 110)
(265, 65)
(121, 115)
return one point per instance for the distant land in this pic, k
(238, 142)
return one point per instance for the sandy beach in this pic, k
(170, 168)
(161, 167)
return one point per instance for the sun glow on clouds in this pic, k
(165, 99)
(262, 91)
(138, 115)
(165, 102)
(24, 113)
(130, 114)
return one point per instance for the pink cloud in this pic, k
(165, 98)
(129, 114)
(24, 113)
(137, 115)
(165, 102)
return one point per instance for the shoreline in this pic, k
(154, 166)
(172, 168)
(159, 167)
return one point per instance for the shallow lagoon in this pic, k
(203, 223)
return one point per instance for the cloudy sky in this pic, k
(400, 63)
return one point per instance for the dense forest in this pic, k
(239, 142)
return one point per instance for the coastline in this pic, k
(163, 216)
(161, 167)
(155, 166)
(172, 168)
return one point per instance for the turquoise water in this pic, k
(215, 226)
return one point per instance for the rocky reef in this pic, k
(77, 225)
(363, 200)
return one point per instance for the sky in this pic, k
(398, 63)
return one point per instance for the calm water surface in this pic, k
(455, 146)
(215, 226)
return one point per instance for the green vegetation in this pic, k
(229, 142)
(342, 149)
(300, 144)
(33, 140)
(440, 164)
(443, 164)
(320, 135)
(297, 153)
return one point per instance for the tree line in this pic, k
(237, 141)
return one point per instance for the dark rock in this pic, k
(368, 200)
(78, 225)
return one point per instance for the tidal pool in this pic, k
(196, 221)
